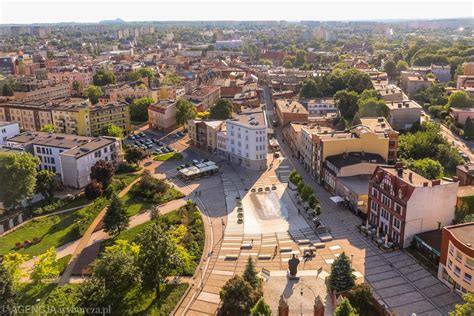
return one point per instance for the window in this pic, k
(458, 256)
(451, 250)
(38, 150)
(52, 160)
(398, 208)
(457, 271)
(450, 264)
(470, 263)
(396, 223)
(375, 192)
(467, 278)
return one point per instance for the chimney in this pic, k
(455, 179)
(399, 168)
(435, 182)
(410, 176)
(425, 184)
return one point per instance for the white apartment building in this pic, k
(247, 139)
(69, 156)
(7, 130)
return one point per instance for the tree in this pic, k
(401, 66)
(344, 309)
(346, 102)
(12, 261)
(93, 294)
(115, 274)
(48, 128)
(7, 90)
(63, 298)
(46, 183)
(135, 155)
(222, 110)
(157, 258)
(341, 277)
(311, 89)
(466, 309)
(18, 172)
(139, 109)
(93, 190)
(116, 219)
(93, 93)
(149, 187)
(103, 78)
(372, 107)
(306, 192)
(300, 58)
(112, 130)
(390, 68)
(46, 268)
(295, 177)
(287, 64)
(468, 128)
(7, 293)
(267, 62)
(312, 201)
(76, 86)
(103, 171)
(261, 309)
(237, 297)
(360, 298)
(427, 167)
(185, 111)
(459, 99)
(250, 274)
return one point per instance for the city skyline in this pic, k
(192, 10)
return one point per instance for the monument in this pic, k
(293, 267)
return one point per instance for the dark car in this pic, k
(160, 143)
(169, 148)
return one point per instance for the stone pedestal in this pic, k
(283, 308)
(318, 307)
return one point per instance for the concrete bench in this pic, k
(246, 245)
(231, 257)
(286, 249)
(303, 241)
(325, 238)
(264, 257)
(319, 245)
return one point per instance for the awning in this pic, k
(336, 199)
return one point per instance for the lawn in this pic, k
(168, 156)
(52, 230)
(135, 205)
(145, 303)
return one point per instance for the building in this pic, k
(456, 262)
(290, 111)
(8, 130)
(204, 97)
(460, 115)
(247, 139)
(413, 83)
(128, 93)
(7, 65)
(319, 107)
(403, 114)
(391, 93)
(83, 78)
(171, 93)
(55, 91)
(30, 115)
(442, 72)
(162, 115)
(398, 203)
(231, 44)
(204, 134)
(372, 136)
(69, 156)
(464, 82)
(465, 174)
(117, 113)
(72, 117)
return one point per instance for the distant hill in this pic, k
(116, 21)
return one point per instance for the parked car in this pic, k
(160, 143)
(195, 162)
(169, 148)
(158, 151)
(149, 145)
(142, 134)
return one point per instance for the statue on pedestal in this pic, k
(293, 266)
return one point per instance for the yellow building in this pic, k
(117, 113)
(31, 116)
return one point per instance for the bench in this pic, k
(286, 249)
(231, 257)
(264, 257)
(246, 245)
(325, 238)
(303, 241)
(264, 274)
(319, 245)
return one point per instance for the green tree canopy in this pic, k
(113, 130)
(12, 261)
(344, 309)
(93, 93)
(46, 183)
(7, 90)
(93, 190)
(390, 68)
(427, 167)
(250, 274)
(185, 111)
(135, 155)
(295, 177)
(116, 219)
(7, 293)
(103, 78)
(18, 182)
(48, 128)
(139, 109)
(222, 110)
(46, 268)
(237, 297)
(341, 277)
(261, 309)
(63, 297)
(372, 107)
(158, 256)
(346, 102)
(460, 99)
(466, 309)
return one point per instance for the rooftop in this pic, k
(250, 116)
(405, 104)
(463, 232)
(290, 106)
(348, 159)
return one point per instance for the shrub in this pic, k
(125, 167)
(150, 188)
(93, 190)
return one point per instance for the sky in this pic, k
(43, 11)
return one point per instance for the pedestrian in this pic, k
(276, 250)
(299, 211)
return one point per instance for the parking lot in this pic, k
(154, 142)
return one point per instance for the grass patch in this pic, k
(135, 205)
(145, 303)
(52, 230)
(168, 156)
(29, 293)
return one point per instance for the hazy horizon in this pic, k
(37, 11)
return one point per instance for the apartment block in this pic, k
(7, 130)
(456, 264)
(204, 97)
(30, 115)
(162, 115)
(60, 90)
(69, 156)
(128, 93)
(83, 78)
(204, 134)
(290, 111)
(398, 203)
(403, 114)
